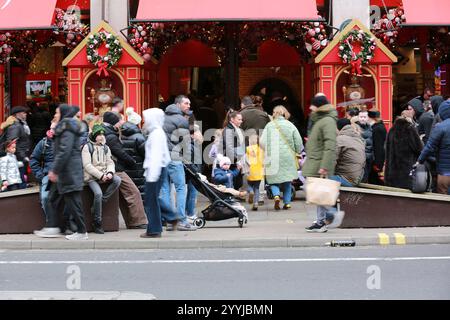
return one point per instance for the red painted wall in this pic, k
(275, 54)
(191, 53)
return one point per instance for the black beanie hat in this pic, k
(342, 123)
(111, 118)
(319, 101)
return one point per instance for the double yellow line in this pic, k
(385, 240)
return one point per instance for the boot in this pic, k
(98, 227)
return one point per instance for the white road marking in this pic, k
(220, 261)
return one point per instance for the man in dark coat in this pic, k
(66, 175)
(379, 134)
(424, 120)
(130, 201)
(20, 131)
(39, 121)
(439, 144)
(253, 117)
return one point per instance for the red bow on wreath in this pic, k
(102, 68)
(356, 66)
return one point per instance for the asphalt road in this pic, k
(393, 272)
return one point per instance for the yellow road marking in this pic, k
(384, 238)
(400, 238)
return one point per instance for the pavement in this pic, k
(266, 228)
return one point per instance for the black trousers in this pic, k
(72, 209)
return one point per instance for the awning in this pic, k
(228, 10)
(25, 14)
(427, 13)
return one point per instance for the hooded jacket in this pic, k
(67, 163)
(9, 169)
(157, 154)
(321, 145)
(41, 159)
(350, 155)
(439, 142)
(98, 163)
(176, 127)
(435, 103)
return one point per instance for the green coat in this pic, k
(280, 151)
(321, 145)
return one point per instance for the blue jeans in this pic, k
(43, 195)
(174, 174)
(191, 199)
(253, 186)
(344, 182)
(328, 212)
(153, 205)
(287, 191)
(101, 197)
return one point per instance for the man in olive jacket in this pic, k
(321, 151)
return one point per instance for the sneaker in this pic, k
(260, 202)
(68, 232)
(150, 235)
(186, 227)
(48, 232)
(250, 198)
(191, 219)
(255, 208)
(336, 221)
(286, 207)
(317, 228)
(77, 236)
(277, 202)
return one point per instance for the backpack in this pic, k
(91, 147)
(420, 179)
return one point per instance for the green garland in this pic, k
(367, 49)
(112, 43)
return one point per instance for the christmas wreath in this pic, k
(356, 59)
(386, 28)
(111, 58)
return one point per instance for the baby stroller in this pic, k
(223, 205)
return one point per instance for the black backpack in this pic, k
(420, 179)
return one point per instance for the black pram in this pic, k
(223, 205)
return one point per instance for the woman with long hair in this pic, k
(233, 143)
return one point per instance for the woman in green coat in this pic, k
(281, 142)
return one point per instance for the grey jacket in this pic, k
(20, 131)
(350, 155)
(176, 127)
(9, 169)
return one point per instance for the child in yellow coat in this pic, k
(255, 161)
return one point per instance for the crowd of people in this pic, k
(145, 162)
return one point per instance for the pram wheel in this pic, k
(199, 222)
(241, 222)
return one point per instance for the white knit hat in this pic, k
(224, 160)
(132, 116)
